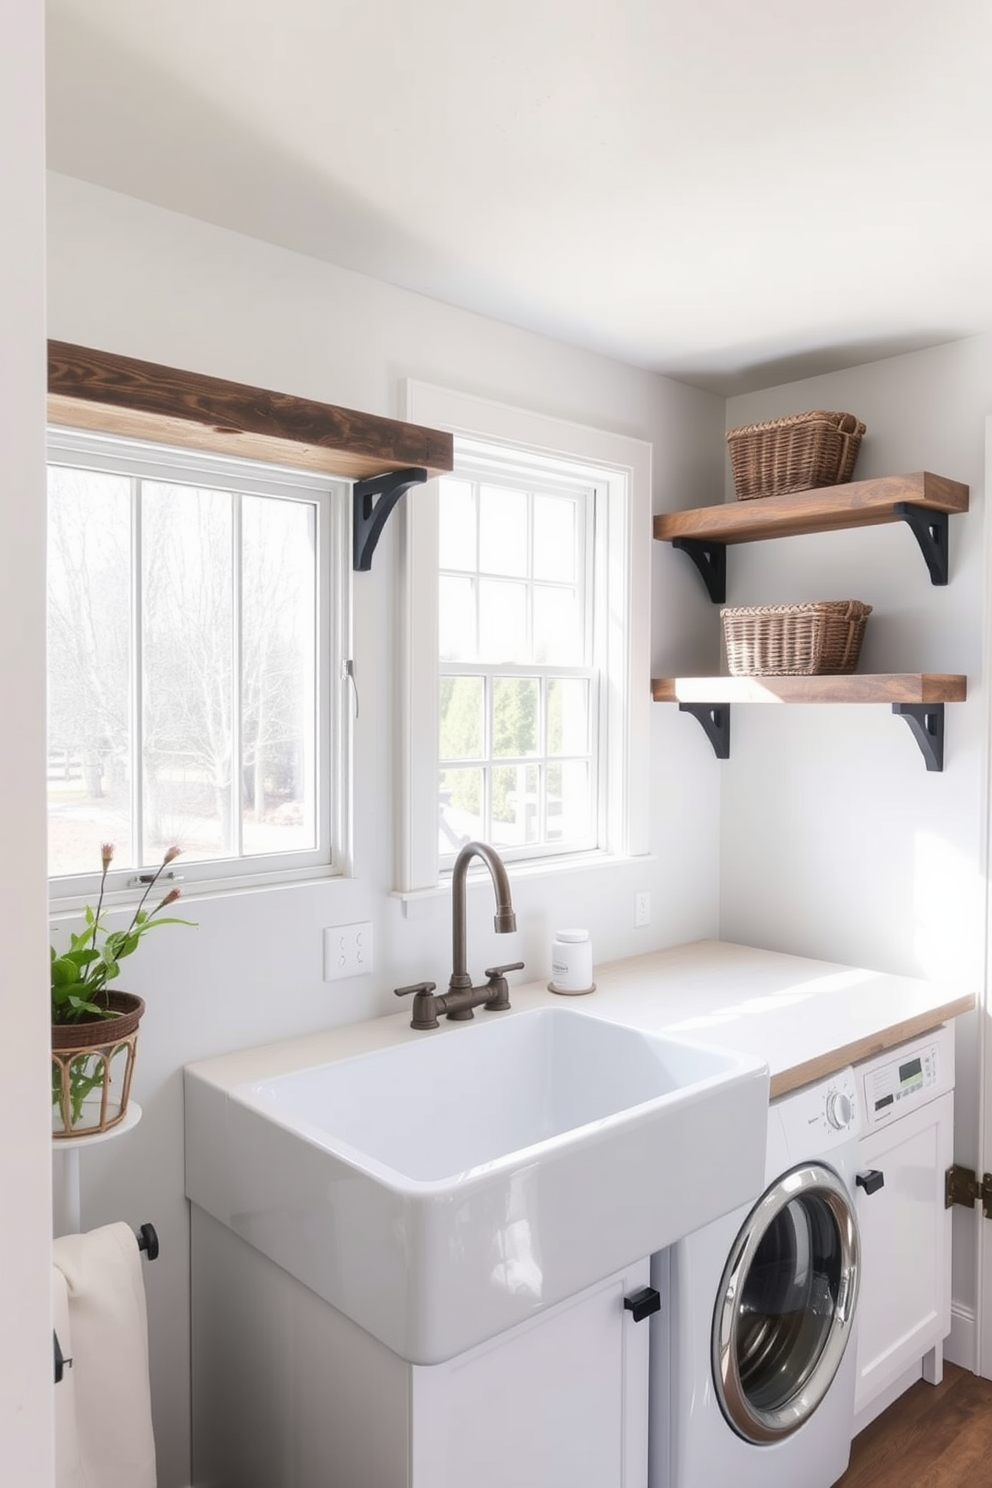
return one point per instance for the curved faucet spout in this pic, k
(504, 921)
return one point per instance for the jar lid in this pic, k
(572, 936)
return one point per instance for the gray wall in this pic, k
(25, 1133)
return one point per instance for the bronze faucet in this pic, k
(461, 997)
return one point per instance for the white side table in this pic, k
(66, 1201)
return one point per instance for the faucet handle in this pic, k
(498, 971)
(424, 1003)
(500, 1000)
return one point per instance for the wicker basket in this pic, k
(796, 453)
(797, 640)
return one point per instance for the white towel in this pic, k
(108, 1344)
(68, 1464)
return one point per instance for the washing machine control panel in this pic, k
(822, 1116)
(907, 1077)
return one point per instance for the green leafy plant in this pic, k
(81, 974)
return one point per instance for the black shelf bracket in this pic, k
(711, 560)
(930, 528)
(926, 722)
(369, 515)
(715, 721)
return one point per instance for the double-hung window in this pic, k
(197, 609)
(525, 626)
(519, 684)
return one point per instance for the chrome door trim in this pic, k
(809, 1180)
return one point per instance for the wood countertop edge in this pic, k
(866, 1048)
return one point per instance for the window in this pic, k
(525, 624)
(518, 701)
(193, 628)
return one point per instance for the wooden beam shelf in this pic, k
(112, 394)
(918, 697)
(855, 687)
(923, 500)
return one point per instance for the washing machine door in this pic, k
(786, 1304)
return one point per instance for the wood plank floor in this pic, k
(932, 1437)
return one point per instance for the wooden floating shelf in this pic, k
(923, 501)
(884, 687)
(112, 394)
(864, 503)
(918, 697)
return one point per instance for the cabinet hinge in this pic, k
(961, 1186)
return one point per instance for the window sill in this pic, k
(71, 906)
(418, 904)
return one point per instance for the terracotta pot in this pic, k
(92, 1067)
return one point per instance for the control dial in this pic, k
(839, 1110)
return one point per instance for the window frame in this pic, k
(331, 857)
(621, 467)
(485, 464)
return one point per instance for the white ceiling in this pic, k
(733, 192)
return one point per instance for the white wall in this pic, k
(25, 1132)
(132, 279)
(835, 840)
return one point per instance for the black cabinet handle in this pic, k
(643, 1303)
(871, 1181)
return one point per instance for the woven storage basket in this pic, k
(796, 453)
(797, 640)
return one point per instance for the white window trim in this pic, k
(624, 466)
(335, 781)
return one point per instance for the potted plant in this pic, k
(94, 1026)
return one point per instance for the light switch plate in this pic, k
(347, 951)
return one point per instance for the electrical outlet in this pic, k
(642, 908)
(347, 951)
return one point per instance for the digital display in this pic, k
(911, 1071)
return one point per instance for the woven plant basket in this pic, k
(797, 640)
(796, 453)
(92, 1068)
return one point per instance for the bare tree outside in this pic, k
(226, 621)
(89, 666)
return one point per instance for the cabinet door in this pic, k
(904, 1306)
(558, 1400)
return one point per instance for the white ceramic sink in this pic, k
(441, 1190)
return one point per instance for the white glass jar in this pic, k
(571, 963)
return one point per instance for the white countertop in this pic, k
(803, 1018)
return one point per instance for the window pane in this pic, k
(559, 638)
(524, 603)
(515, 715)
(461, 802)
(279, 625)
(569, 801)
(502, 531)
(554, 539)
(89, 666)
(188, 594)
(503, 622)
(457, 547)
(456, 619)
(516, 805)
(460, 710)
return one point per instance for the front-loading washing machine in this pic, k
(752, 1364)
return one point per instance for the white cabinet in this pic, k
(558, 1400)
(288, 1393)
(904, 1306)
